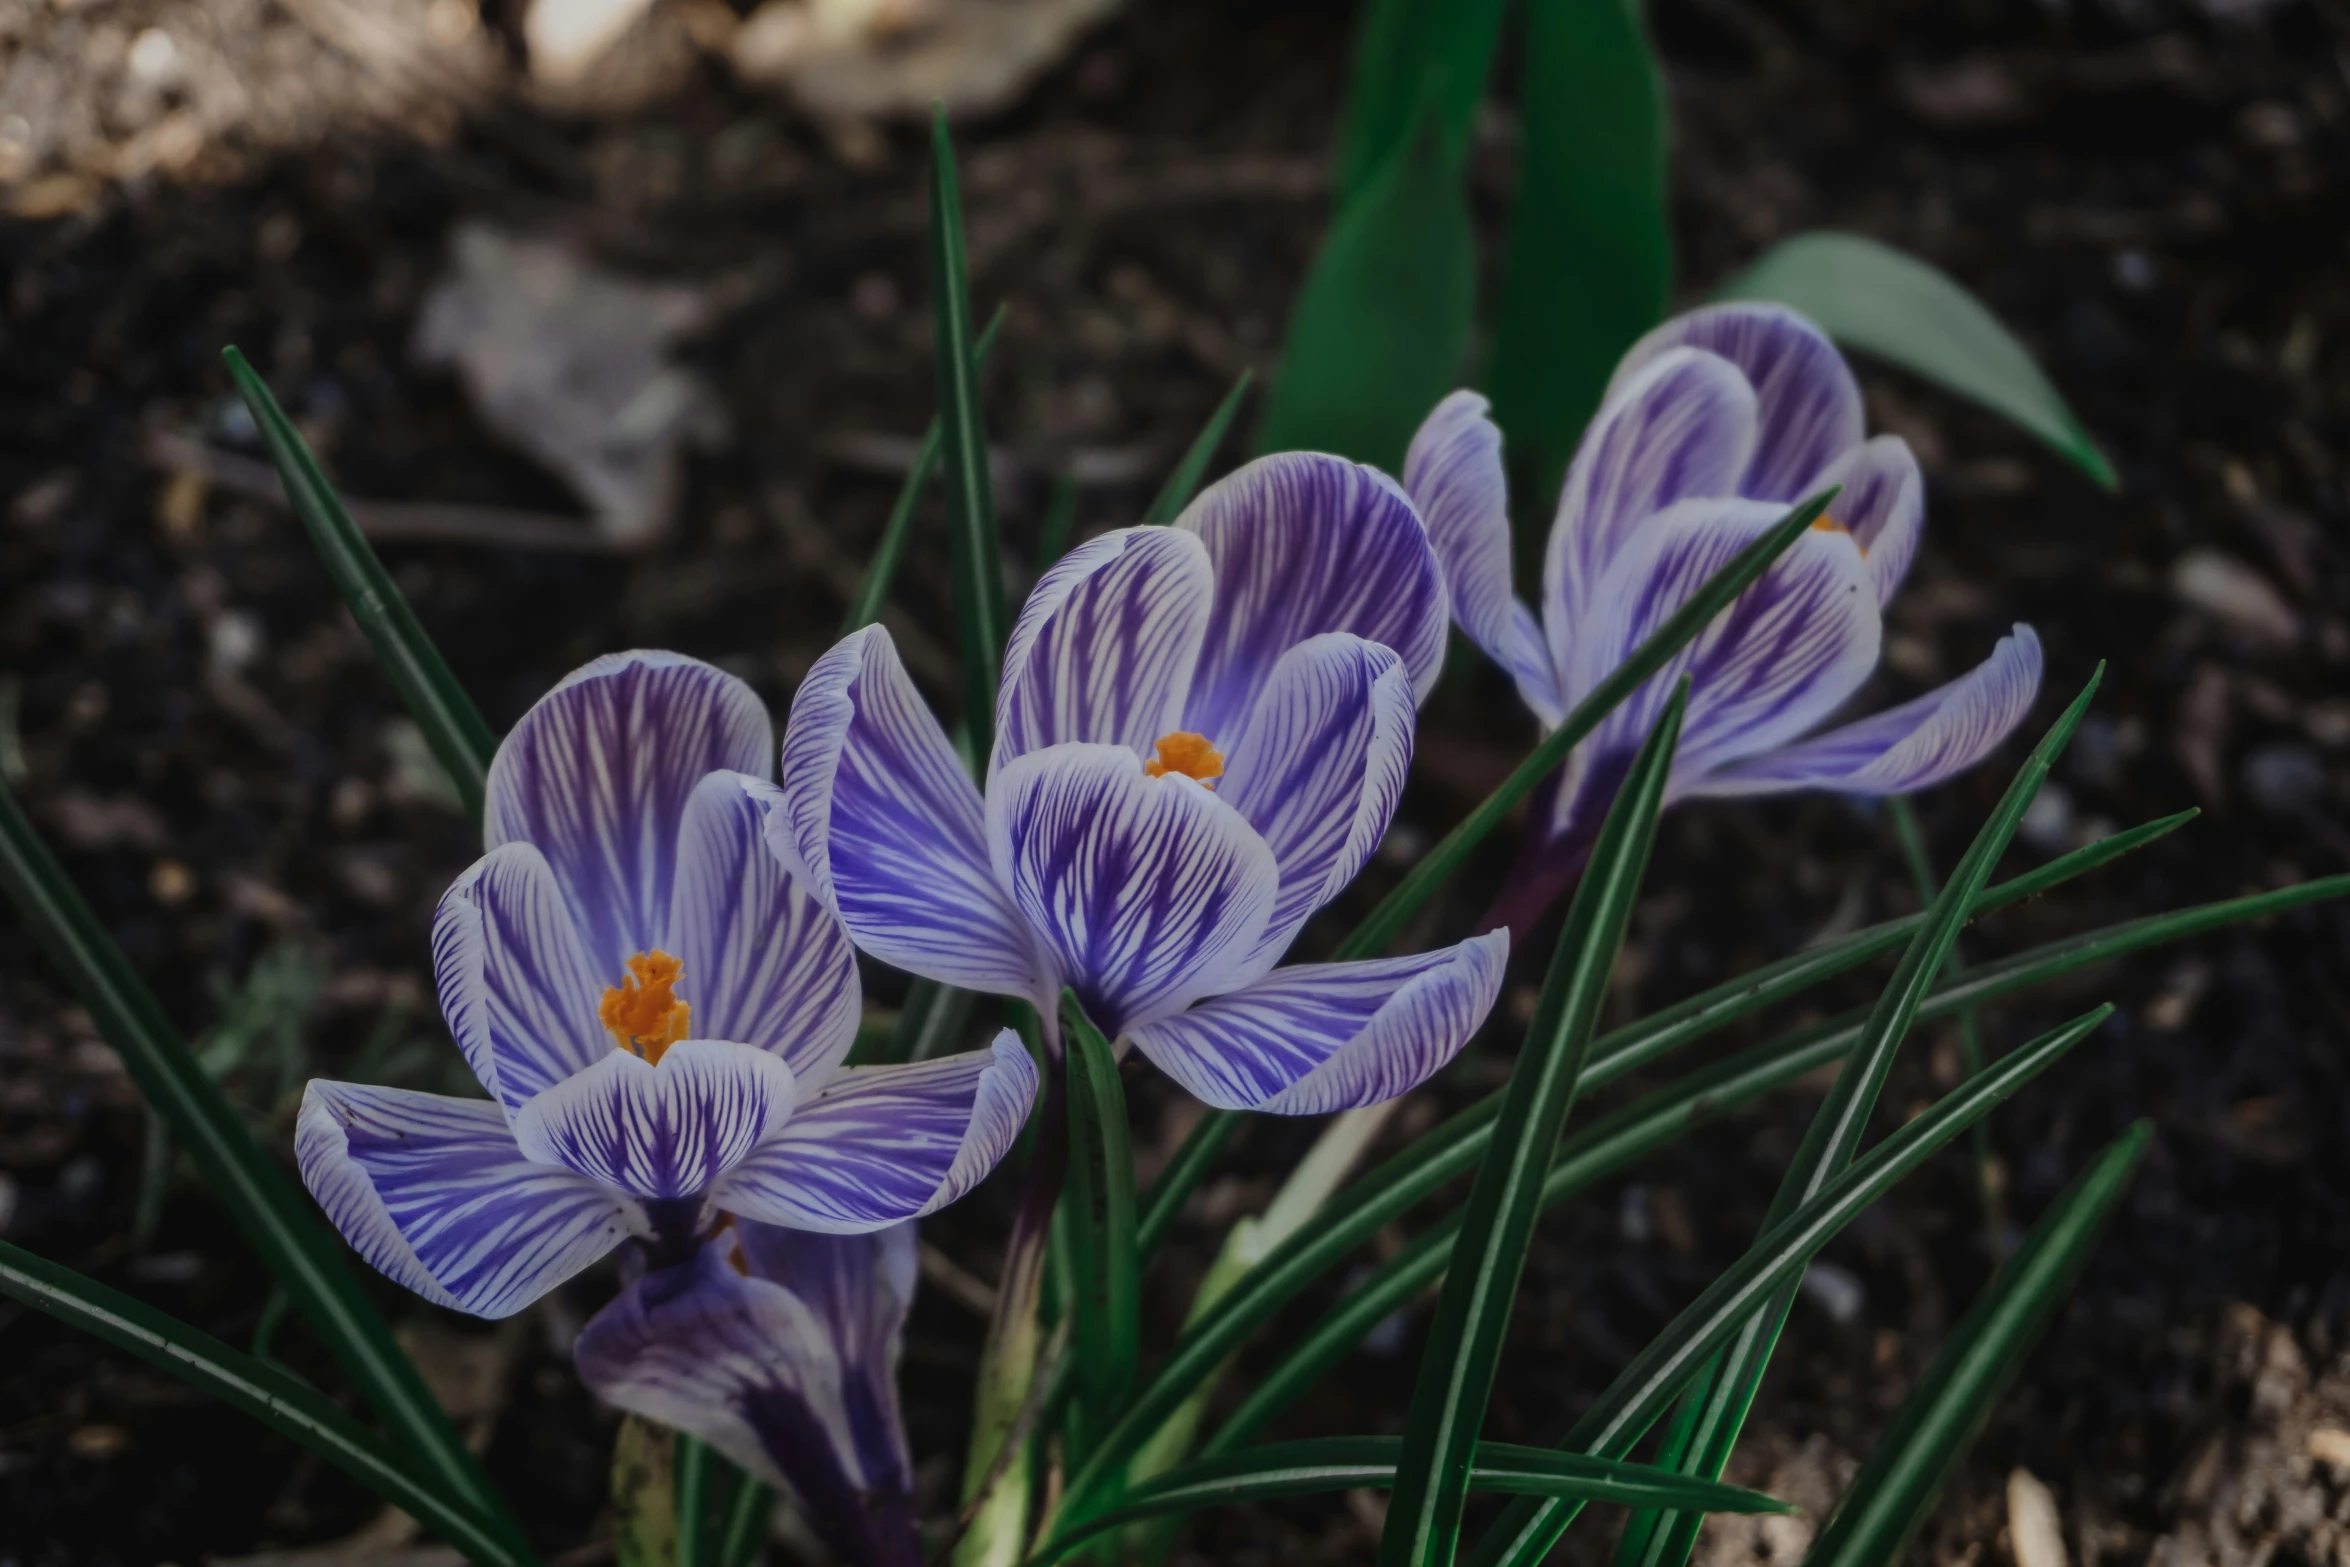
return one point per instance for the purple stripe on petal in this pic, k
(597, 774)
(1331, 1036)
(1147, 892)
(1809, 405)
(516, 986)
(766, 964)
(1303, 544)
(436, 1196)
(1454, 475)
(1320, 769)
(745, 1365)
(665, 1130)
(860, 1288)
(1683, 427)
(880, 819)
(1104, 648)
(1787, 653)
(1883, 504)
(884, 1144)
(1908, 747)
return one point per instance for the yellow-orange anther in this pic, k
(1824, 523)
(641, 1013)
(1189, 754)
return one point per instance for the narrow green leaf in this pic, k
(1888, 1500)
(1414, 60)
(1591, 207)
(275, 1397)
(1836, 1129)
(1163, 1204)
(300, 1253)
(881, 572)
(1452, 1148)
(975, 561)
(1872, 297)
(1473, 1314)
(1382, 320)
(1348, 1463)
(1184, 482)
(1060, 520)
(1647, 1386)
(461, 741)
(747, 1516)
(1100, 1198)
(643, 1488)
(930, 1024)
(695, 1477)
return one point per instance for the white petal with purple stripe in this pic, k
(1305, 543)
(1104, 647)
(1331, 1036)
(1147, 893)
(597, 774)
(517, 987)
(1921, 742)
(660, 1130)
(882, 821)
(435, 1194)
(885, 1144)
(766, 964)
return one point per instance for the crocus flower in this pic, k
(1714, 424)
(1200, 735)
(780, 1349)
(657, 1012)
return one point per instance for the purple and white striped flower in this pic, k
(780, 1349)
(1200, 736)
(1714, 424)
(658, 1013)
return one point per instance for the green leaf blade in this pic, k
(1472, 1317)
(1101, 1194)
(1870, 296)
(1184, 482)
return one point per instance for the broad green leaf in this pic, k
(1347, 1463)
(275, 1397)
(1381, 323)
(1100, 1204)
(1184, 482)
(1834, 1136)
(461, 741)
(300, 1252)
(1882, 301)
(1656, 1376)
(882, 570)
(974, 556)
(1415, 60)
(1590, 260)
(1888, 1500)
(1473, 1314)
(695, 1477)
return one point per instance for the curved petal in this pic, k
(1883, 506)
(1305, 543)
(1908, 747)
(881, 821)
(665, 1130)
(435, 1194)
(884, 1144)
(1808, 403)
(515, 984)
(597, 774)
(766, 964)
(1785, 655)
(1681, 428)
(1320, 769)
(1146, 892)
(1331, 1036)
(745, 1365)
(1104, 647)
(1453, 473)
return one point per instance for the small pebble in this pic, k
(2033, 1525)
(2330, 1445)
(1835, 1290)
(2284, 779)
(2048, 820)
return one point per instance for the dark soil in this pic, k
(2151, 193)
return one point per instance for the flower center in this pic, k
(1189, 755)
(642, 1014)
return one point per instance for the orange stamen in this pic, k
(1824, 523)
(1188, 754)
(641, 1013)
